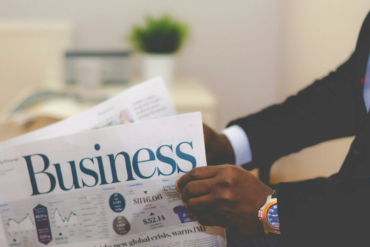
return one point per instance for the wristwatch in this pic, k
(268, 215)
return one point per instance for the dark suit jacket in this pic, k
(321, 212)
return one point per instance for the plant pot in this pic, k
(162, 65)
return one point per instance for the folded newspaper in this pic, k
(66, 186)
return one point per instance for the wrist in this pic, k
(264, 196)
(226, 150)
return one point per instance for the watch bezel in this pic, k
(265, 221)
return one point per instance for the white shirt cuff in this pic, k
(240, 143)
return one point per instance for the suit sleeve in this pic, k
(323, 111)
(330, 108)
(325, 212)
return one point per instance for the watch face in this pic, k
(273, 217)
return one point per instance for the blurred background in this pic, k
(240, 55)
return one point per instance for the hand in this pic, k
(218, 148)
(226, 196)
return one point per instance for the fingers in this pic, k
(196, 174)
(211, 219)
(205, 210)
(201, 205)
(196, 188)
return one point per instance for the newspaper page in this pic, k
(108, 187)
(148, 100)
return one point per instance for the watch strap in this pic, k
(274, 194)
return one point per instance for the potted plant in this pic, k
(159, 39)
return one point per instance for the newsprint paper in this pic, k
(148, 100)
(106, 187)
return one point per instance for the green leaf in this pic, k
(159, 35)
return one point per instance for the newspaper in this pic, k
(80, 214)
(148, 100)
(108, 187)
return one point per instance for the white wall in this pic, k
(316, 37)
(233, 44)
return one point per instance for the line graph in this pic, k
(60, 220)
(75, 216)
(25, 222)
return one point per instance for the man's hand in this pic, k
(226, 196)
(218, 148)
